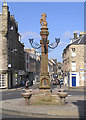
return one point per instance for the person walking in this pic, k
(26, 84)
(59, 83)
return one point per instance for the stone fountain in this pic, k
(44, 94)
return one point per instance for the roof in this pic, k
(79, 41)
(50, 63)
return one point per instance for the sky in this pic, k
(63, 19)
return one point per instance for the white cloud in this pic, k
(29, 34)
(67, 35)
(63, 43)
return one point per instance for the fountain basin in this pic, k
(61, 90)
(28, 90)
(63, 94)
(27, 96)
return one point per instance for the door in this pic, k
(73, 81)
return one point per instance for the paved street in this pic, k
(11, 94)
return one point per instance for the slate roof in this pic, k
(80, 40)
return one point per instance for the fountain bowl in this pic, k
(61, 90)
(26, 95)
(62, 94)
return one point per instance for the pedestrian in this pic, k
(51, 90)
(60, 83)
(26, 85)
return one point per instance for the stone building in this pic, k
(32, 64)
(12, 61)
(52, 68)
(59, 70)
(74, 62)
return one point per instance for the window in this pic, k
(73, 64)
(73, 52)
(73, 49)
(2, 81)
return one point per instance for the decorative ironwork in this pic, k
(55, 44)
(34, 44)
(50, 46)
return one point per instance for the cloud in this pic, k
(63, 43)
(29, 34)
(67, 35)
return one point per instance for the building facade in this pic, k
(12, 67)
(74, 62)
(32, 64)
(52, 68)
(59, 70)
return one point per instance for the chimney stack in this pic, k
(75, 35)
(80, 34)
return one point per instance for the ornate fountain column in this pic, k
(44, 75)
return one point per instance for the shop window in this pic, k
(2, 81)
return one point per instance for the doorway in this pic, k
(73, 81)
